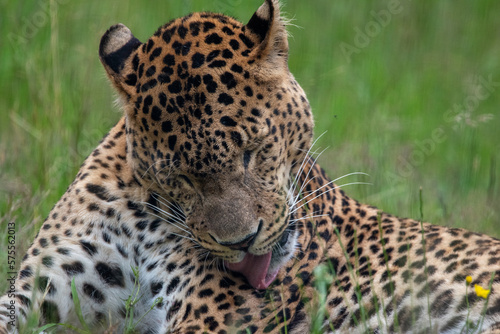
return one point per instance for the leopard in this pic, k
(203, 210)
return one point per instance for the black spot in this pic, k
(175, 87)
(453, 324)
(174, 309)
(154, 225)
(225, 99)
(131, 79)
(209, 83)
(188, 312)
(163, 99)
(212, 55)
(228, 79)
(171, 142)
(205, 293)
(227, 31)
(166, 126)
(239, 300)
(207, 26)
(213, 39)
(93, 293)
(182, 31)
(26, 272)
(93, 207)
(169, 60)
(227, 54)
(149, 46)
(44, 285)
(401, 262)
(180, 48)
(147, 103)
(100, 192)
(236, 137)
(73, 268)
(24, 300)
(235, 45)
(246, 41)
(156, 287)
(442, 303)
(47, 261)
(111, 275)
(227, 121)
(88, 247)
(156, 52)
(256, 112)
(106, 237)
(172, 285)
(198, 60)
(171, 267)
(195, 28)
(141, 70)
(226, 283)
(49, 312)
(177, 47)
(141, 225)
(43, 242)
(148, 85)
(217, 63)
(248, 90)
(156, 113)
(63, 251)
(236, 68)
(145, 124)
(110, 212)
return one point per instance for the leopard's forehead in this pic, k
(198, 96)
(199, 26)
(197, 44)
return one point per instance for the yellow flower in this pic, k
(468, 279)
(481, 292)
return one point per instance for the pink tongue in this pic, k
(254, 268)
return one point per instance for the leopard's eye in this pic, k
(247, 155)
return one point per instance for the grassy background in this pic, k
(386, 108)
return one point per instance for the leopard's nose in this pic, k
(241, 245)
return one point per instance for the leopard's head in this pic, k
(217, 124)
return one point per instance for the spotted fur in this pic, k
(209, 164)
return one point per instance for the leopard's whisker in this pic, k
(307, 176)
(306, 159)
(152, 165)
(324, 192)
(180, 219)
(183, 236)
(154, 174)
(333, 181)
(167, 214)
(172, 223)
(304, 162)
(176, 209)
(293, 221)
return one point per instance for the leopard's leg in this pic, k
(43, 294)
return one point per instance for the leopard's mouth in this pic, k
(261, 270)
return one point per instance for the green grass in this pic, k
(394, 93)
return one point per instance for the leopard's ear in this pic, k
(116, 51)
(269, 29)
